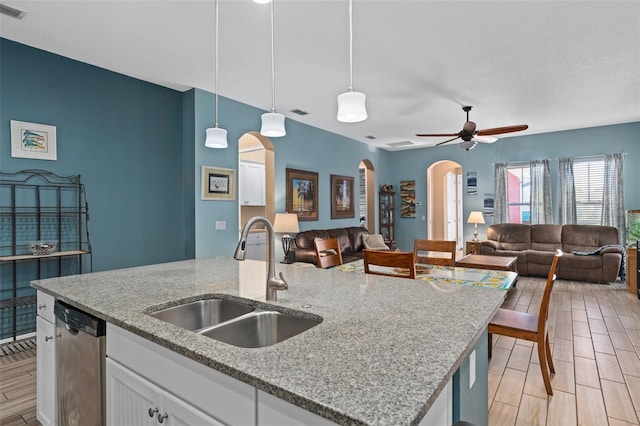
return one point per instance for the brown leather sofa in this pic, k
(349, 239)
(534, 246)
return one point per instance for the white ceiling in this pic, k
(554, 65)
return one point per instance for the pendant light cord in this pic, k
(273, 66)
(350, 45)
(215, 84)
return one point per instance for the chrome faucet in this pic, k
(273, 282)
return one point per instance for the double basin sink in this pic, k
(236, 323)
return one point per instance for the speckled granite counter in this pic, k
(383, 352)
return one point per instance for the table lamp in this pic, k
(285, 223)
(475, 218)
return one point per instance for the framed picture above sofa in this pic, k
(342, 197)
(302, 194)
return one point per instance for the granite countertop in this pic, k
(385, 349)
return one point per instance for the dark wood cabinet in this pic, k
(387, 216)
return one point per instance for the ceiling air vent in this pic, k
(299, 111)
(370, 137)
(399, 144)
(10, 11)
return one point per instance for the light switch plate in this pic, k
(221, 225)
(472, 369)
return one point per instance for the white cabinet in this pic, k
(256, 246)
(134, 400)
(252, 184)
(46, 389)
(155, 377)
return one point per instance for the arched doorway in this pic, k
(366, 185)
(444, 192)
(256, 152)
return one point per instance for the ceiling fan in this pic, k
(470, 136)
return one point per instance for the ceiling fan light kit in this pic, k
(273, 122)
(470, 136)
(351, 104)
(216, 137)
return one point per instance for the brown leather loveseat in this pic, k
(349, 239)
(534, 246)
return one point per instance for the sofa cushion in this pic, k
(546, 238)
(510, 236)
(374, 242)
(587, 237)
(343, 239)
(355, 235)
(540, 257)
(305, 239)
(571, 261)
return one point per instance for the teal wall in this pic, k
(413, 164)
(122, 135)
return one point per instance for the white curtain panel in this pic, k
(613, 198)
(540, 192)
(567, 192)
(500, 197)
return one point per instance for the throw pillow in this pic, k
(374, 242)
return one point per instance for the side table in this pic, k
(473, 247)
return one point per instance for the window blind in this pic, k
(589, 185)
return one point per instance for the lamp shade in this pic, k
(286, 222)
(272, 125)
(216, 138)
(351, 107)
(476, 217)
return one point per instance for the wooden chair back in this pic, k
(420, 247)
(328, 253)
(531, 327)
(400, 263)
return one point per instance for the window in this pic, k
(588, 177)
(519, 194)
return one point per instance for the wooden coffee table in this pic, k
(496, 263)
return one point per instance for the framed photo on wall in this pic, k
(218, 183)
(342, 197)
(302, 194)
(31, 140)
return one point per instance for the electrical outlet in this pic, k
(472, 369)
(221, 225)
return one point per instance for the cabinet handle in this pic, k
(47, 338)
(162, 417)
(152, 411)
(42, 306)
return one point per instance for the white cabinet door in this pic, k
(256, 246)
(131, 400)
(46, 389)
(252, 184)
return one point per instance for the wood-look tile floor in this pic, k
(595, 331)
(18, 389)
(595, 341)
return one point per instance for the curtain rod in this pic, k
(525, 162)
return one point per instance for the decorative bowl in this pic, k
(42, 247)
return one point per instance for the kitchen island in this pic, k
(383, 353)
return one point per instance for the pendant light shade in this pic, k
(273, 122)
(351, 104)
(216, 137)
(272, 125)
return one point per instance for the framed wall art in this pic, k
(342, 197)
(407, 198)
(302, 194)
(31, 140)
(218, 183)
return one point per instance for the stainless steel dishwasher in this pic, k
(80, 351)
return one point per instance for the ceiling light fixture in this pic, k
(351, 104)
(468, 145)
(12, 11)
(216, 137)
(272, 122)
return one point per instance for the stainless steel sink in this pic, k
(260, 328)
(202, 314)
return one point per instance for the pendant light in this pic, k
(272, 122)
(216, 137)
(351, 104)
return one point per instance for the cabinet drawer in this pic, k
(256, 238)
(45, 307)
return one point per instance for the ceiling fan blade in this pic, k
(484, 139)
(442, 143)
(438, 135)
(500, 130)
